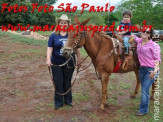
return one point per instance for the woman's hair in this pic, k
(57, 32)
(127, 12)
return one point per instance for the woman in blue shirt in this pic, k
(61, 75)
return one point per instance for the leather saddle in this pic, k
(120, 51)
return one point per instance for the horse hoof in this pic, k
(152, 98)
(133, 96)
(102, 107)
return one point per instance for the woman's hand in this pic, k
(156, 68)
(49, 53)
(152, 75)
(48, 62)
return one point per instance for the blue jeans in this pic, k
(126, 43)
(62, 78)
(145, 86)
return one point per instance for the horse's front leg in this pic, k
(104, 81)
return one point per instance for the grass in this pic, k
(78, 97)
(83, 52)
(74, 119)
(51, 104)
(46, 33)
(9, 37)
(112, 101)
(40, 107)
(94, 117)
(125, 85)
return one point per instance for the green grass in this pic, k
(161, 45)
(83, 52)
(94, 117)
(9, 37)
(46, 33)
(40, 107)
(51, 104)
(125, 85)
(78, 97)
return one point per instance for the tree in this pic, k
(95, 20)
(149, 10)
(43, 2)
(110, 18)
(42, 19)
(11, 17)
(36, 18)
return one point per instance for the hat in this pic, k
(63, 17)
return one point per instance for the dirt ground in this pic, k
(26, 90)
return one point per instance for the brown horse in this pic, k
(101, 50)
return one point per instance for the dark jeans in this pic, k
(146, 83)
(62, 78)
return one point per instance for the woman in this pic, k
(61, 75)
(149, 59)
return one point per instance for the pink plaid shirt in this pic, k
(148, 53)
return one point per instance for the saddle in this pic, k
(120, 51)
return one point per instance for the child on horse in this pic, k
(125, 23)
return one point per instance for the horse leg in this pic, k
(153, 91)
(137, 85)
(105, 79)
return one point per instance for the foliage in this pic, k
(95, 20)
(149, 10)
(43, 2)
(35, 18)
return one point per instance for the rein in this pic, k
(77, 46)
(63, 63)
(50, 71)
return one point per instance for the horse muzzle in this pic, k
(67, 52)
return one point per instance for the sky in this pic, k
(78, 3)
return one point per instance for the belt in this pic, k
(146, 67)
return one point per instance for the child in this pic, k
(125, 32)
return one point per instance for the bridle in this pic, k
(77, 42)
(77, 45)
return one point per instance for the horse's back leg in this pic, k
(153, 91)
(137, 85)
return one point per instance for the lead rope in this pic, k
(50, 71)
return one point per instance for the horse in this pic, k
(100, 49)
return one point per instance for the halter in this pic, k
(77, 42)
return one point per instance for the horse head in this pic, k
(76, 38)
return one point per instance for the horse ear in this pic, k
(76, 20)
(85, 21)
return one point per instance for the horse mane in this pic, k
(102, 33)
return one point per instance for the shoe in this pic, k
(126, 54)
(56, 108)
(70, 104)
(126, 51)
(140, 114)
